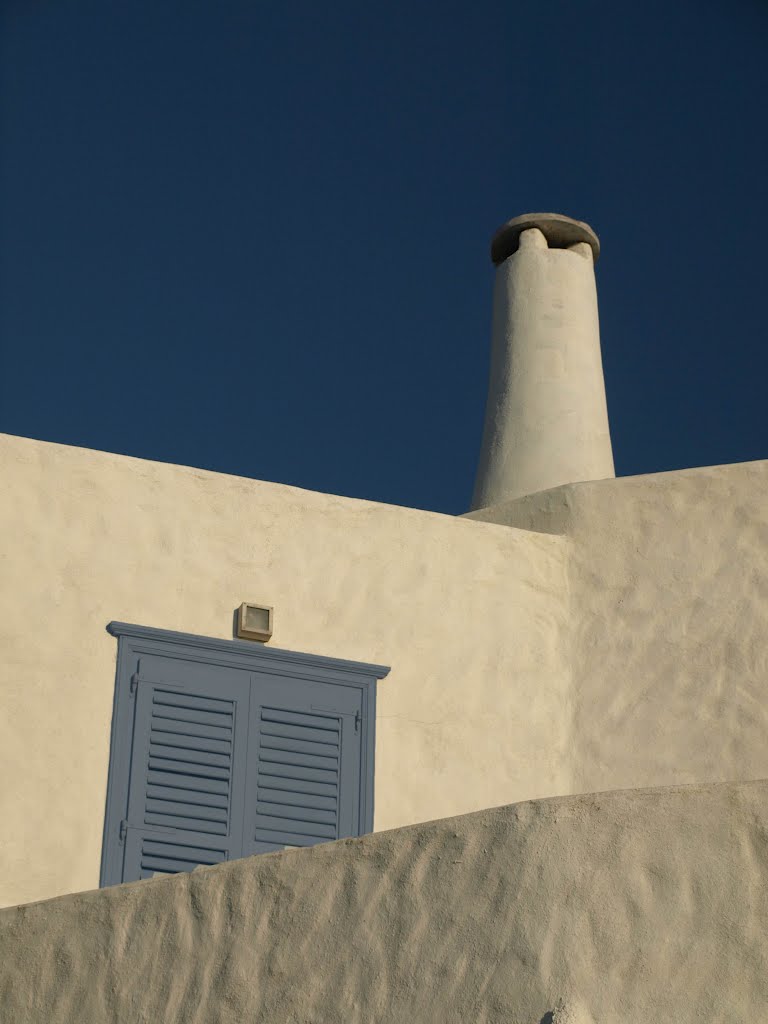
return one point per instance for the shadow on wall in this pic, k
(571, 1012)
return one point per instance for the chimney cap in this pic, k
(559, 231)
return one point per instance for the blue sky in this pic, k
(253, 237)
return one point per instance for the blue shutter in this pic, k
(185, 799)
(222, 748)
(304, 770)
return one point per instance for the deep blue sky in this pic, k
(253, 236)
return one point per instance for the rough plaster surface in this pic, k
(619, 908)
(471, 617)
(546, 420)
(669, 583)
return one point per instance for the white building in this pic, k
(574, 634)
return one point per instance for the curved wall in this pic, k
(615, 908)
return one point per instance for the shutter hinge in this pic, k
(134, 682)
(123, 830)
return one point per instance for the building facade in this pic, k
(573, 634)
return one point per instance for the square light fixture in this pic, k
(254, 621)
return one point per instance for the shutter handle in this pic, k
(357, 721)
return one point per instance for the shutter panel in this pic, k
(153, 856)
(214, 757)
(185, 800)
(304, 766)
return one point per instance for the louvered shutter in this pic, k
(185, 802)
(221, 749)
(304, 770)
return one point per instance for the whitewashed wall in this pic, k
(472, 618)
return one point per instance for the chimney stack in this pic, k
(546, 420)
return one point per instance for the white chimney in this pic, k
(546, 421)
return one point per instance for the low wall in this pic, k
(472, 618)
(615, 908)
(669, 584)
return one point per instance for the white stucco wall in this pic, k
(669, 585)
(472, 617)
(595, 636)
(632, 907)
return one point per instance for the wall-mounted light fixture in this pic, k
(254, 621)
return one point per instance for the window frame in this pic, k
(135, 640)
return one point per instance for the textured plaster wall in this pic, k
(615, 908)
(669, 584)
(473, 619)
